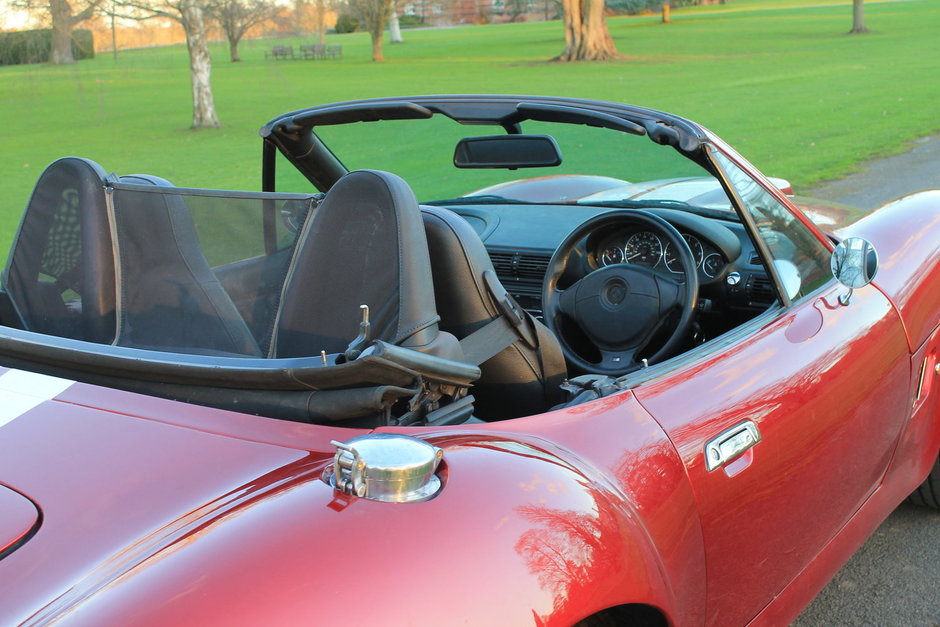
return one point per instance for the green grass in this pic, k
(781, 81)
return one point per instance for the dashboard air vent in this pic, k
(760, 291)
(519, 265)
(755, 259)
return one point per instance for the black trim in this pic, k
(32, 530)
(293, 133)
(268, 166)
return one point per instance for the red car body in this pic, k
(120, 508)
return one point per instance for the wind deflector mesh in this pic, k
(200, 272)
(60, 275)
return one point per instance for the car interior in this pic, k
(353, 304)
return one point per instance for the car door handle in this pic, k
(730, 444)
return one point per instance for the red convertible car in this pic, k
(410, 383)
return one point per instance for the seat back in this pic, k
(365, 244)
(519, 380)
(60, 273)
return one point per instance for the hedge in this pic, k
(33, 46)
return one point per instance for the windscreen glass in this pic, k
(609, 165)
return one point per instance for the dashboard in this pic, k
(521, 239)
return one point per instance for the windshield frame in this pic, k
(294, 133)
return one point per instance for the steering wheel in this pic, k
(620, 307)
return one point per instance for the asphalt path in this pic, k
(894, 579)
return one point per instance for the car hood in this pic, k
(828, 216)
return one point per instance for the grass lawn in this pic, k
(780, 80)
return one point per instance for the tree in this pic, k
(394, 28)
(64, 18)
(858, 18)
(320, 21)
(586, 34)
(374, 15)
(236, 17)
(190, 15)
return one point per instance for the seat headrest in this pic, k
(364, 245)
(60, 273)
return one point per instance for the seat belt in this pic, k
(513, 324)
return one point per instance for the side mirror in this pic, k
(854, 264)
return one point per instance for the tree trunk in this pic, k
(233, 50)
(62, 23)
(299, 12)
(858, 18)
(113, 35)
(377, 47)
(200, 66)
(321, 22)
(586, 34)
(394, 28)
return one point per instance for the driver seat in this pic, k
(523, 378)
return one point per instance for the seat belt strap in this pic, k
(488, 341)
(513, 324)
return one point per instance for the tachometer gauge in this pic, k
(611, 255)
(643, 248)
(672, 258)
(712, 265)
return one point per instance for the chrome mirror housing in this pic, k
(854, 263)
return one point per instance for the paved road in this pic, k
(883, 180)
(894, 579)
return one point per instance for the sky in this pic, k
(10, 18)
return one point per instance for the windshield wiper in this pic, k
(483, 199)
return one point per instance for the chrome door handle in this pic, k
(729, 444)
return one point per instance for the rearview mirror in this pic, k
(507, 151)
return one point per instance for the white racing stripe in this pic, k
(20, 391)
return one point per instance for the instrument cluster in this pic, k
(645, 248)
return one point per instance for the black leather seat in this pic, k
(60, 274)
(365, 244)
(521, 379)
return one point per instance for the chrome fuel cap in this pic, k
(386, 467)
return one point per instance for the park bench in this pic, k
(280, 52)
(321, 51)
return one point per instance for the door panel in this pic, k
(826, 388)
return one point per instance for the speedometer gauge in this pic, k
(643, 248)
(671, 257)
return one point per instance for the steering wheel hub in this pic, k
(615, 292)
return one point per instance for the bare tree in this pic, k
(858, 18)
(64, 18)
(190, 15)
(394, 28)
(586, 34)
(320, 21)
(374, 15)
(112, 16)
(237, 16)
